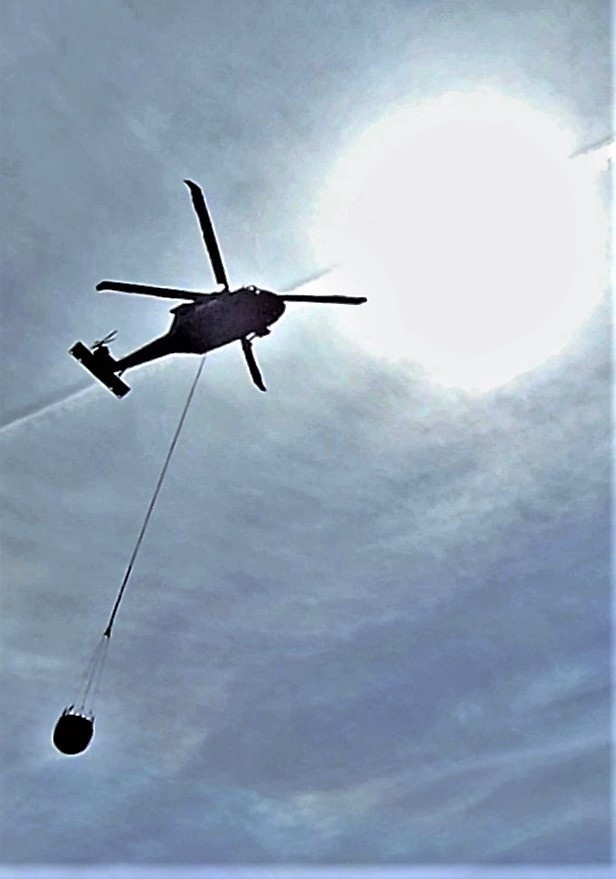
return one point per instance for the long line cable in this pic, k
(152, 504)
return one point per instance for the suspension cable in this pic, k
(161, 478)
(92, 679)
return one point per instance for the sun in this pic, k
(478, 240)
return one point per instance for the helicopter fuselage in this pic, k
(209, 323)
(226, 317)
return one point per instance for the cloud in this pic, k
(305, 630)
(370, 619)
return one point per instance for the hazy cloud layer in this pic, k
(370, 623)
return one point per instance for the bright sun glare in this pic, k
(479, 242)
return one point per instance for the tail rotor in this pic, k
(104, 341)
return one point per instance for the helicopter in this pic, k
(203, 321)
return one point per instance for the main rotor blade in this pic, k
(148, 290)
(334, 300)
(207, 230)
(255, 373)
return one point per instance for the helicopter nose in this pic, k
(278, 305)
(275, 304)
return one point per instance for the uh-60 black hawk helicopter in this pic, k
(203, 322)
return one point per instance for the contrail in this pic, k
(596, 157)
(56, 402)
(595, 147)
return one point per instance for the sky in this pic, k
(369, 630)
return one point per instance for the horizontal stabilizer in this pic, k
(148, 290)
(333, 300)
(99, 363)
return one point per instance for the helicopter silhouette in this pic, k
(203, 322)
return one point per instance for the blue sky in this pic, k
(370, 623)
